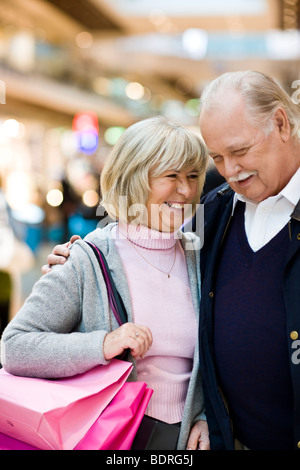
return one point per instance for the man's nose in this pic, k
(231, 168)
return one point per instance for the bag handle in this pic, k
(114, 297)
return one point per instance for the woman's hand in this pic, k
(59, 255)
(199, 437)
(137, 338)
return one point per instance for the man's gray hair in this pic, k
(262, 94)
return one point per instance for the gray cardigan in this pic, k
(60, 329)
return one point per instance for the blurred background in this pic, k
(75, 73)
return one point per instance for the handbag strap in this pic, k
(114, 297)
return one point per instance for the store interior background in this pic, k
(122, 61)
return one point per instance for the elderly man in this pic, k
(250, 310)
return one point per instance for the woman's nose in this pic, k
(184, 188)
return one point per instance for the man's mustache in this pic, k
(243, 175)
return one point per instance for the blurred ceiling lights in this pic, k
(129, 58)
(191, 7)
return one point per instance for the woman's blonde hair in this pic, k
(148, 148)
(262, 95)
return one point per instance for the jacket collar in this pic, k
(296, 213)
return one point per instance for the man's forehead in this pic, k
(233, 146)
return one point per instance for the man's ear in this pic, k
(282, 123)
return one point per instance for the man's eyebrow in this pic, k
(211, 152)
(232, 148)
(239, 148)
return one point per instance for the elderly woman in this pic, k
(151, 181)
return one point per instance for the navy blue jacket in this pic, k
(217, 216)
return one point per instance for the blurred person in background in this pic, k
(15, 258)
(250, 265)
(66, 326)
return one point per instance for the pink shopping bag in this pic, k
(56, 414)
(9, 443)
(116, 427)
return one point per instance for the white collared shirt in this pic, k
(265, 219)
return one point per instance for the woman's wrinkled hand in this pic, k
(199, 437)
(137, 338)
(59, 255)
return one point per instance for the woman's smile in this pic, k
(175, 205)
(171, 198)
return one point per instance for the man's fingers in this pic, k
(61, 250)
(59, 254)
(55, 259)
(45, 269)
(74, 238)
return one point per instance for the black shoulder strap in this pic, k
(115, 299)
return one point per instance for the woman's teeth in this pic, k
(175, 205)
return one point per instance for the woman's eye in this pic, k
(193, 176)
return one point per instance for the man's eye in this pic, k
(241, 152)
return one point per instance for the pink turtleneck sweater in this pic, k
(165, 306)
